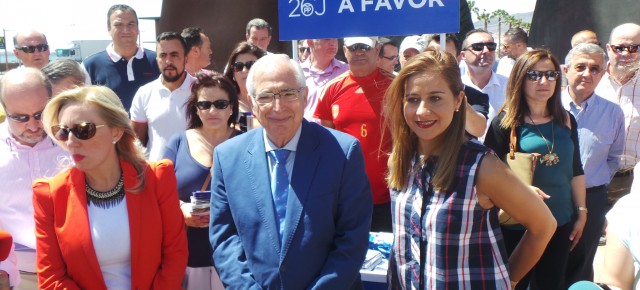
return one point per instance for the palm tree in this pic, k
(484, 16)
(502, 16)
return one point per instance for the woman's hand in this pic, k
(539, 192)
(198, 221)
(578, 227)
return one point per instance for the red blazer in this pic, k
(66, 258)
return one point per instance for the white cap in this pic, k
(416, 42)
(370, 41)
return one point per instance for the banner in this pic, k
(304, 19)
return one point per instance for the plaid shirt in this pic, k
(449, 241)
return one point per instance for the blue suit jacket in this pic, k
(327, 221)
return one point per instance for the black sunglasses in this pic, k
(491, 46)
(536, 75)
(622, 48)
(83, 131)
(33, 48)
(218, 104)
(25, 118)
(239, 66)
(359, 46)
(304, 49)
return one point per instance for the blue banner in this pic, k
(304, 19)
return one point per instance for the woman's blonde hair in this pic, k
(405, 141)
(515, 105)
(112, 111)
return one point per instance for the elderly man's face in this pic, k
(620, 56)
(584, 72)
(280, 118)
(24, 102)
(32, 49)
(362, 62)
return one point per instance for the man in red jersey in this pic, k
(352, 103)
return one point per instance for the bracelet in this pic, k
(582, 208)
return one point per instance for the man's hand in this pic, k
(4, 280)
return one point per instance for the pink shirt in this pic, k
(19, 166)
(318, 79)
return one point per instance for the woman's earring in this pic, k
(114, 142)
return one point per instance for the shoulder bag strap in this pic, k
(205, 185)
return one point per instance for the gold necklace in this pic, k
(550, 158)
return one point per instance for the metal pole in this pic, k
(443, 42)
(294, 48)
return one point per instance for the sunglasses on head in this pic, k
(239, 66)
(536, 75)
(218, 104)
(359, 46)
(491, 46)
(304, 49)
(622, 48)
(25, 118)
(82, 131)
(33, 48)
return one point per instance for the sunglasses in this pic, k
(239, 66)
(622, 48)
(491, 46)
(359, 46)
(25, 118)
(218, 104)
(304, 49)
(33, 48)
(82, 131)
(536, 75)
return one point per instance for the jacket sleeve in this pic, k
(497, 138)
(51, 268)
(228, 253)
(352, 225)
(174, 236)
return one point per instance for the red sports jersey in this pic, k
(354, 105)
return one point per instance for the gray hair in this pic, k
(268, 63)
(21, 73)
(258, 23)
(585, 48)
(59, 69)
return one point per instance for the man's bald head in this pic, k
(23, 77)
(584, 36)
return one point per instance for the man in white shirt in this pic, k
(26, 153)
(158, 108)
(198, 49)
(514, 44)
(621, 85)
(479, 54)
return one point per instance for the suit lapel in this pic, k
(304, 168)
(255, 162)
(79, 223)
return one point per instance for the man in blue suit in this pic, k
(295, 222)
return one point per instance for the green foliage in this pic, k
(500, 15)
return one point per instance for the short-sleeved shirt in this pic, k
(354, 105)
(317, 79)
(164, 112)
(623, 221)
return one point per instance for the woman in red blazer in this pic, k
(111, 221)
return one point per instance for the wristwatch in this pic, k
(582, 208)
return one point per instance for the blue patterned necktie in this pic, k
(280, 187)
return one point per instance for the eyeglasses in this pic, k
(239, 66)
(580, 68)
(82, 131)
(536, 75)
(218, 104)
(621, 48)
(33, 48)
(491, 46)
(359, 46)
(287, 95)
(304, 49)
(21, 118)
(391, 58)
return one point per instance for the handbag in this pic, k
(523, 165)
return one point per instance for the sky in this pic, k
(511, 6)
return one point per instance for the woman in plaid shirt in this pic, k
(445, 189)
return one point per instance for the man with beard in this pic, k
(321, 67)
(158, 108)
(479, 54)
(621, 85)
(123, 66)
(26, 153)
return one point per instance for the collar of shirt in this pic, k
(291, 146)
(569, 105)
(115, 57)
(13, 144)
(186, 83)
(308, 68)
(493, 81)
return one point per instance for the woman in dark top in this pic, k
(212, 110)
(542, 126)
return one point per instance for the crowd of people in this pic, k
(141, 169)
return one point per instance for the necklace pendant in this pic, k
(550, 159)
